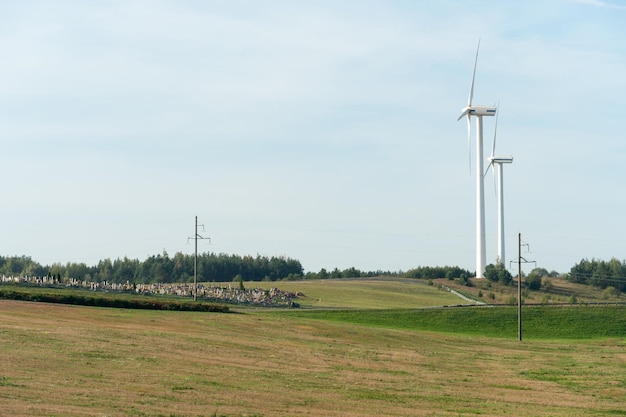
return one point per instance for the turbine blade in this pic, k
(471, 93)
(495, 131)
(488, 168)
(465, 112)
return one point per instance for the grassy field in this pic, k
(364, 293)
(549, 322)
(60, 360)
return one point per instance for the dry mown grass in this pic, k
(80, 361)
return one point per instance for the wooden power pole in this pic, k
(195, 260)
(519, 287)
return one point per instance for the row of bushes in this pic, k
(75, 298)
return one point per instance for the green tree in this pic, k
(105, 270)
(533, 281)
(76, 270)
(599, 273)
(351, 272)
(239, 279)
(335, 273)
(497, 273)
(542, 272)
(428, 272)
(125, 270)
(535, 278)
(582, 271)
(56, 271)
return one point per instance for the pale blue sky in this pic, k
(319, 130)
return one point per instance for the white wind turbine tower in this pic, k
(478, 112)
(497, 162)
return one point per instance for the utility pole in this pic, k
(195, 259)
(520, 260)
(519, 287)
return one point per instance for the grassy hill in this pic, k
(394, 292)
(364, 293)
(538, 322)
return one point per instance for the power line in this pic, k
(593, 279)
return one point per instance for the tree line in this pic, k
(160, 268)
(600, 273)
(221, 267)
(435, 272)
(226, 267)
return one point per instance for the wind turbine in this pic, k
(478, 112)
(499, 161)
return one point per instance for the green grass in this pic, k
(538, 322)
(364, 293)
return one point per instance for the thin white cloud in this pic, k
(602, 4)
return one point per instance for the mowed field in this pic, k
(364, 293)
(60, 360)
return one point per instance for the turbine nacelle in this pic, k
(500, 160)
(477, 111)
